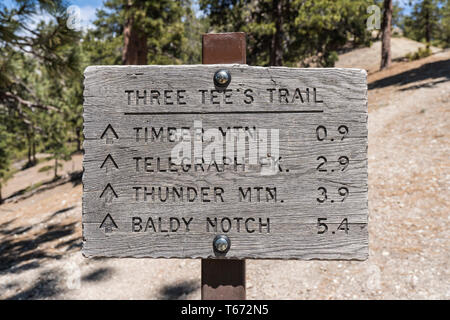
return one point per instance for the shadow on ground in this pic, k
(98, 275)
(74, 177)
(428, 71)
(57, 213)
(178, 290)
(47, 286)
(17, 255)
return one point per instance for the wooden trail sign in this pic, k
(275, 160)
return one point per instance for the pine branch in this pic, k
(24, 118)
(29, 104)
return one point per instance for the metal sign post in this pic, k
(223, 279)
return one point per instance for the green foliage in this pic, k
(312, 31)
(173, 31)
(55, 138)
(5, 153)
(101, 49)
(33, 187)
(44, 41)
(444, 35)
(37, 63)
(193, 29)
(429, 22)
(5, 157)
(48, 168)
(419, 54)
(397, 12)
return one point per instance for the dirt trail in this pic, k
(369, 57)
(37, 174)
(409, 188)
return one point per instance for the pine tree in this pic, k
(43, 42)
(276, 44)
(423, 23)
(444, 30)
(386, 35)
(294, 32)
(55, 139)
(151, 31)
(193, 29)
(5, 157)
(31, 56)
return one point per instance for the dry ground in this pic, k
(409, 188)
(369, 57)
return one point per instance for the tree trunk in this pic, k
(276, 45)
(29, 148)
(134, 41)
(1, 199)
(56, 168)
(386, 37)
(34, 147)
(427, 22)
(78, 139)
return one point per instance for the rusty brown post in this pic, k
(223, 279)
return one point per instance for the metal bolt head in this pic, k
(222, 78)
(221, 244)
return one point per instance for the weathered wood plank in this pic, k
(309, 204)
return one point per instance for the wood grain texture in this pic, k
(111, 174)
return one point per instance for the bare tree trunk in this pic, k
(134, 42)
(427, 23)
(386, 37)
(1, 199)
(78, 131)
(276, 46)
(56, 168)
(34, 147)
(29, 148)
